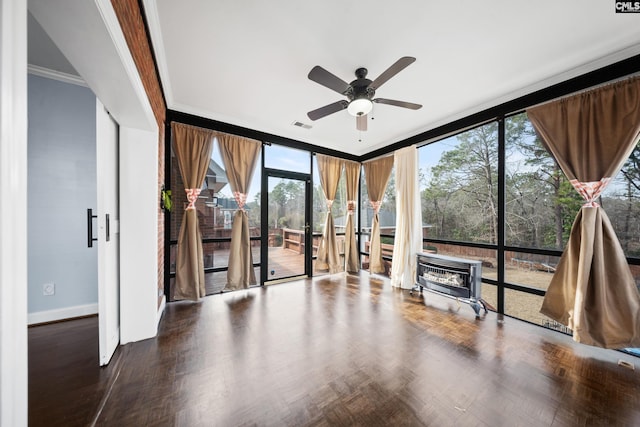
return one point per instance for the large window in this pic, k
(541, 204)
(319, 213)
(459, 196)
(386, 216)
(459, 186)
(216, 207)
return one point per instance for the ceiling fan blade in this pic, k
(326, 79)
(398, 66)
(327, 109)
(402, 104)
(361, 122)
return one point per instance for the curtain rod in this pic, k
(587, 90)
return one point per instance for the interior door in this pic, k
(108, 233)
(288, 251)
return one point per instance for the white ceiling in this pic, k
(245, 62)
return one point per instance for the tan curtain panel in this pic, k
(239, 156)
(192, 147)
(408, 237)
(328, 258)
(377, 173)
(593, 291)
(351, 258)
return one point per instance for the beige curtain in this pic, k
(593, 291)
(192, 147)
(239, 156)
(408, 237)
(329, 169)
(377, 174)
(351, 258)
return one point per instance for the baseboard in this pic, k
(61, 314)
(163, 303)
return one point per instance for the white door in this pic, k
(108, 233)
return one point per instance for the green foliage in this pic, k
(286, 204)
(387, 240)
(460, 201)
(570, 202)
(165, 197)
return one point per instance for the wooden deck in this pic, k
(336, 350)
(284, 263)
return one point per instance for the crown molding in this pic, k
(56, 75)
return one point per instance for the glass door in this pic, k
(286, 250)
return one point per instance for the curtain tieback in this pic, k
(590, 191)
(351, 207)
(376, 205)
(241, 199)
(329, 204)
(192, 197)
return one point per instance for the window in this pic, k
(459, 186)
(319, 212)
(215, 207)
(386, 216)
(285, 158)
(541, 203)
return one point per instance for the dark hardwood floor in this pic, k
(66, 384)
(336, 350)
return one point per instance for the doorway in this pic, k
(286, 252)
(73, 222)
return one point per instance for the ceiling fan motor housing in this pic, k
(359, 88)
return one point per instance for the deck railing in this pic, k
(293, 239)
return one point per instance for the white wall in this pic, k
(138, 234)
(61, 186)
(13, 220)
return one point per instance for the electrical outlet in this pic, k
(49, 289)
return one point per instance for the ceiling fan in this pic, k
(360, 92)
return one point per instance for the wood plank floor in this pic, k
(66, 385)
(349, 350)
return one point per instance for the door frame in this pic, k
(264, 223)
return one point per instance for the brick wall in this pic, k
(133, 26)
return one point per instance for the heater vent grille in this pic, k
(458, 278)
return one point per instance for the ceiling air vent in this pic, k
(301, 125)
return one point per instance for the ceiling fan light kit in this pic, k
(360, 92)
(360, 107)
